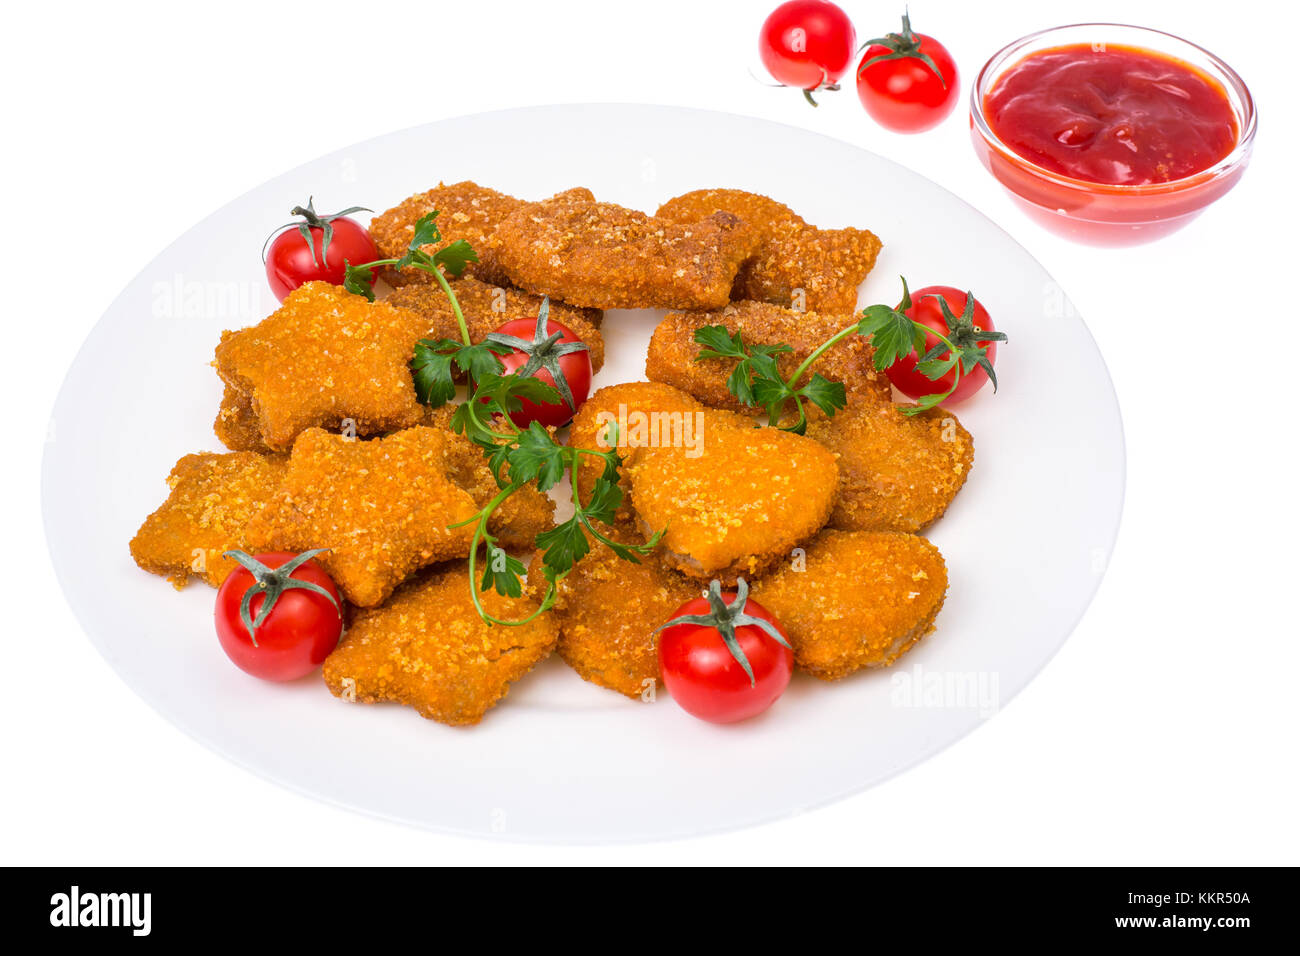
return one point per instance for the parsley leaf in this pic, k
(828, 396)
(606, 496)
(454, 257)
(536, 457)
(506, 391)
(431, 369)
(502, 573)
(893, 334)
(479, 359)
(563, 546)
(754, 362)
(359, 280)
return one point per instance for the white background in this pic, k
(1163, 733)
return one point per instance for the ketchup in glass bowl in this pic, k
(1111, 134)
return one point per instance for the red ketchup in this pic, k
(1115, 115)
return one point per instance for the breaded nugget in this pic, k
(324, 357)
(897, 473)
(486, 308)
(605, 256)
(382, 507)
(733, 498)
(236, 423)
(427, 648)
(520, 518)
(827, 264)
(211, 501)
(607, 610)
(861, 599)
(673, 350)
(640, 412)
(466, 211)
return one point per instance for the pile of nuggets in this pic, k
(330, 448)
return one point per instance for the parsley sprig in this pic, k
(519, 457)
(756, 381)
(451, 259)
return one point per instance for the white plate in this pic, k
(562, 760)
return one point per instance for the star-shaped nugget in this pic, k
(326, 357)
(212, 499)
(429, 649)
(236, 423)
(382, 507)
(827, 264)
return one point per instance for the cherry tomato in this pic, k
(927, 311)
(705, 675)
(549, 355)
(907, 81)
(807, 44)
(335, 240)
(304, 623)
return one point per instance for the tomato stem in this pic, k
(725, 618)
(273, 582)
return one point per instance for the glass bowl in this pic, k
(1100, 213)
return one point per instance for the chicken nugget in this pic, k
(427, 648)
(486, 308)
(326, 357)
(673, 350)
(827, 265)
(859, 599)
(236, 423)
(465, 210)
(628, 416)
(519, 519)
(605, 256)
(212, 498)
(897, 472)
(607, 609)
(733, 499)
(383, 507)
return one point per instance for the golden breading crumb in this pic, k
(633, 406)
(860, 599)
(324, 358)
(486, 308)
(734, 498)
(466, 211)
(827, 264)
(673, 350)
(236, 424)
(211, 501)
(520, 518)
(382, 507)
(896, 473)
(605, 256)
(607, 609)
(427, 648)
